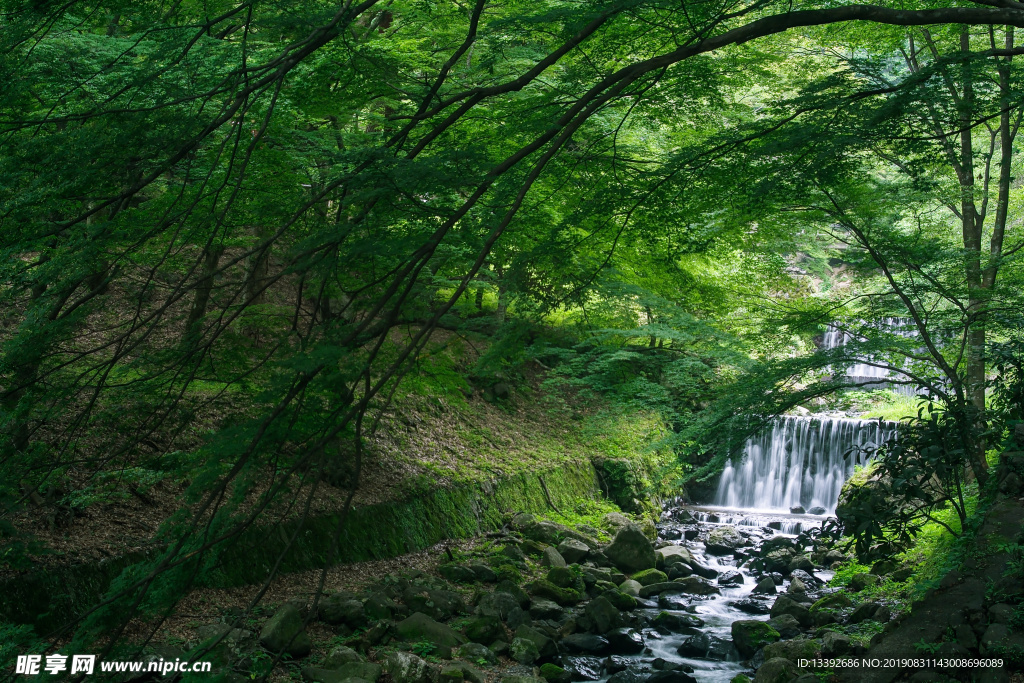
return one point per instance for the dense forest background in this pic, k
(241, 239)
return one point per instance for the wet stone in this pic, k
(582, 668)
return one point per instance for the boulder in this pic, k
(314, 674)
(786, 605)
(585, 644)
(523, 519)
(546, 609)
(602, 615)
(706, 646)
(546, 532)
(724, 540)
(421, 628)
(797, 510)
(543, 588)
(475, 652)
(342, 608)
(339, 656)
(624, 641)
(786, 625)
(498, 604)
(582, 668)
(524, 651)
(802, 562)
(817, 510)
(485, 629)
(462, 671)
(751, 606)
(649, 576)
(765, 586)
(835, 644)
(730, 577)
(456, 573)
(777, 670)
(630, 550)
(631, 587)
(672, 554)
(552, 558)
(285, 633)
(863, 612)
(513, 589)
(673, 622)
(573, 551)
(566, 577)
(620, 600)
(552, 673)
(859, 582)
(405, 667)
(545, 646)
(750, 635)
(694, 585)
(832, 601)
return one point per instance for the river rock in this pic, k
(582, 668)
(573, 551)
(624, 641)
(475, 652)
(777, 670)
(585, 644)
(285, 632)
(730, 577)
(421, 628)
(679, 571)
(546, 609)
(650, 576)
(545, 645)
(456, 573)
(766, 586)
(543, 588)
(751, 606)
(797, 510)
(342, 608)
(552, 558)
(631, 587)
(630, 550)
(339, 656)
(552, 673)
(786, 625)
(707, 646)
(546, 532)
(629, 676)
(786, 605)
(672, 554)
(672, 601)
(485, 629)
(602, 615)
(523, 651)
(498, 604)
(724, 540)
(750, 635)
(834, 644)
(817, 510)
(695, 585)
(859, 582)
(405, 667)
(673, 622)
(863, 612)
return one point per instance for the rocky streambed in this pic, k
(542, 602)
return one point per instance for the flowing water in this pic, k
(864, 371)
(800, 461)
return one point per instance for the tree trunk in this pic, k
(204, 288)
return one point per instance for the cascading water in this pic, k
(798, 462)
(865, 372)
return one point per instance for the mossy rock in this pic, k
(649, 576)
(552, 673)
(833, 601)
(620, 600)
(566, 577)
(750, 635)
(740, 678)
(566, 597)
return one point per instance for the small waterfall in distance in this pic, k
(798, 461)
(863, 372)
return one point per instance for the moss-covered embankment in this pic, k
(51, 597)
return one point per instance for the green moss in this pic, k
(833, 601)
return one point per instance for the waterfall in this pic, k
(863, 372)
(798, 461)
